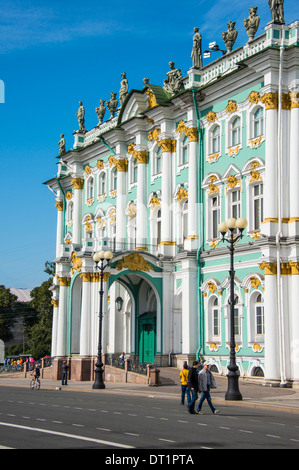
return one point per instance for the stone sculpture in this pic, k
(230, 36)
(61, 144)
(101, 111)
(174, 81)
(123, 92)
(277, 13)
(196, 54)
(252, 23)
(80, 116)
(112, 104)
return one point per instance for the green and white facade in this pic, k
(152, 184)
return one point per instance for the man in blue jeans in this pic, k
(65, 368)
(206, 381)
(193, 387)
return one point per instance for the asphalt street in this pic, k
(122, 424)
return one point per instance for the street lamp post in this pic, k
(232, 392)
(100, 257)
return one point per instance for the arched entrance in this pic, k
(142, 306)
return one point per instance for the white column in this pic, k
(85, 315)
(121, 201)
(294, 324)
(270, 190)
(59, 230)
(190, 331)
(141, 213)
(77, 210)
(62, 316)
(294, 166)
(55, 303)
(272, 356)
(168, 147)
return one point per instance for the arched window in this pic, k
(258, 215)
(185, 219)
(184, 152)
(235, 131)
(102, 183)
(215, 318)
(90, 188)
(259, 315)
(258, 123)
(215, 139)
(159, 221)
(113, 179)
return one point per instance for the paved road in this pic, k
(122, 424)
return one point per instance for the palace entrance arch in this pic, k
(137, 328)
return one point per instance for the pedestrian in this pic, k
(65, 368)
(206, 381)
(184, 384)
(200, 365)
(193, 387)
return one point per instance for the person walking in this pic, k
(206, 381)
(65, 368)
(193, 387)
(184, 384)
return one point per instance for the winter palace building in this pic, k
(152, 182)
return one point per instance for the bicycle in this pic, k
(35, 383)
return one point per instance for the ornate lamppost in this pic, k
(232, 392)
(99, 259)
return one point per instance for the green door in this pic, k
(147, 338)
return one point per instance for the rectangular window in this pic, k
(216, 325)
(260, 320)
(215, 209)
(258, 216)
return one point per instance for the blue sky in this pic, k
(55, 53)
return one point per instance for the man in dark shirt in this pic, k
(193, 387)
(65, 368)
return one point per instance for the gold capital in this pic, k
(77, 183)
(59, 205)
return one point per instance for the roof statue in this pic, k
(101, 111)
(252, 23)
(196, 54)
(123, 92)
(277, 13)
(230, 36)
(61, 144)
(80, 117)
(112, 104)
(174, 81)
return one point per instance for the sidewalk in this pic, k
(253, 394)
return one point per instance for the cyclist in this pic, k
(36, 374)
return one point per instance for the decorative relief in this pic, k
(154, 202)
(76, 262)
(232, 181)
(59, 205)
(255, 282)
(254, 97)
(88, 226)
(231, 107)
(94, 277)
(100, 164)
(232, 151)
(132, 210)
(89, 202)
(134, 262)
(181, 194)
(64, 281)
(213, 158)
(77, 183)
(294, 97)
(211, 117)
(120, 164)
(68, 195)
(154, 135)
(151, 98)
(55, 303)
(213, 188)
(87, 170)
(140, 155)
(213, 347)
(212, 287)
(101, 222)
(257, 348)
(191, 133)
(255, 143)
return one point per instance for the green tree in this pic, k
(7, 302)
(40, 334)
